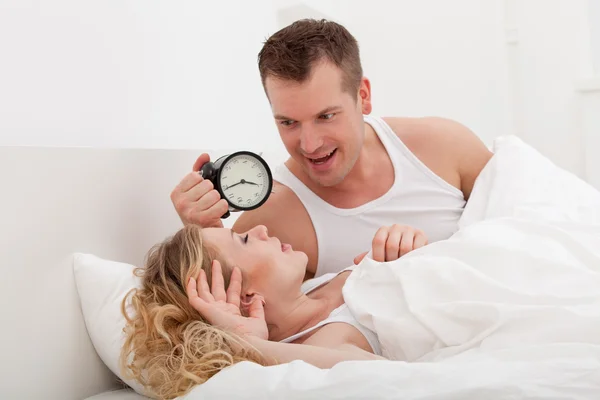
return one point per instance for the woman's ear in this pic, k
(246, 300)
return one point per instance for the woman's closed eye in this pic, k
(246, 238)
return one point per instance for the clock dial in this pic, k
(244, 181)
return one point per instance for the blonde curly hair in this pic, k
(169, 348)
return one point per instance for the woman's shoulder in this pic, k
(314, 283)
(340, 331)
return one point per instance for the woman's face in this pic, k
(270, 268)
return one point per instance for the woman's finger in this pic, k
(379, 244)
(218, 285)
(407, 242)
(392, 246)
(193, 298)
(360, 257)
(235, 287)
(256, 309)
(203, 289)
(420, 240)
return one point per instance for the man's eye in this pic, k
(327, 116)
(286, 122)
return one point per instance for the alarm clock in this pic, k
(242, 178)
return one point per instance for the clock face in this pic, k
(245, 181)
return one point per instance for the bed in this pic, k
(74, 219)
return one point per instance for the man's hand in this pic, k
(392, 242)
(195, 199)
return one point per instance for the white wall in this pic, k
(183, 74)
(594, 22)
(553, 50)
(498, 66)
(431, 57)
(115, 73)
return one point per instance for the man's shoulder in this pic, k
(445, 145)
(282, 207)
(425, 129)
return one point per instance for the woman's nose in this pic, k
(261, 232)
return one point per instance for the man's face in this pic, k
(321, 126)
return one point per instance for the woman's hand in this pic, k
(392, 242)
(223, 309)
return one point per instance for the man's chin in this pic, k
(326, 180)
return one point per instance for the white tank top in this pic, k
(418, 198)
(340, 314)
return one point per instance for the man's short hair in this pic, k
(291, 52)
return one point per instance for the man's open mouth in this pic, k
(324, 159)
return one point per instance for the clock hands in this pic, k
(230, 186)
(242, 181)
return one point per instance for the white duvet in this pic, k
(507, 308)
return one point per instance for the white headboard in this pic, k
(56, 201)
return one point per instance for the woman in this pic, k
(211, 298)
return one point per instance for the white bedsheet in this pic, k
(509, 307)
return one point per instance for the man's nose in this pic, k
(310, 141)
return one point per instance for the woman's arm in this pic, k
(321, 357)
(326, 347)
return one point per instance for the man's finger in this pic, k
(200, 190)
(203, 159)
(189, 181)
(215, 212)
(360, 257)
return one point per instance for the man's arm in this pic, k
(472, 153)
(447, 147)
(286, 219)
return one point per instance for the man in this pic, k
(353, 182)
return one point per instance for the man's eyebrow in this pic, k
(324, 111)
(329, 109)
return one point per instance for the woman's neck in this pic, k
(307, 310)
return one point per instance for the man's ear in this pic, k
(364, 93)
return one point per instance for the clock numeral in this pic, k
(256, 194)
(231, 196)
(259, 174)
(244, 162)
(235, 161)
(248, 201)
(224, 177)
(228, 168)
(253, 166)
(239, 199)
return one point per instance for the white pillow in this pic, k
(101, 285)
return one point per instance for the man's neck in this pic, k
(371, 176)
(365, 170)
